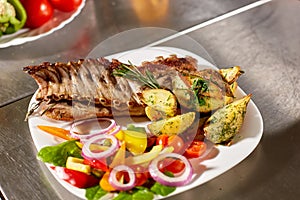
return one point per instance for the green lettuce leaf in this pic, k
(162, 190)
(142, 194)
(58, 154)
(123, 196)
(94, 193)
(137, 193)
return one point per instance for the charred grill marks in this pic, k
(86, 80)
(91, 82)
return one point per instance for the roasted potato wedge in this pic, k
(231, 74)
(233, 88)
(160, 100)
(207, 90)
(184, 94)
(172, 126)
(226, 122)
(207, 104)
(154, 114)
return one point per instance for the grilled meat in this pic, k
(89, 88)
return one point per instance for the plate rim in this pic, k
(21, 40)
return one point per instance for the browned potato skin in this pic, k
(230, 75)
(160, 103)
(226, 122)
(220, 92)
(173, 125)
(154, 114)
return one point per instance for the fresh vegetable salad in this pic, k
(124, 162)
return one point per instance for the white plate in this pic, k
(58, 21)
(227, 157)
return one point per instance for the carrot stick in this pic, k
(59, 132)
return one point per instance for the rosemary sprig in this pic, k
(133, 73)
(33, 107)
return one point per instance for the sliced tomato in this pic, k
(171, 165)
(151, 141)
(163, 140)
(97, 164)
(141, 175)
(196, 149)
(140, 179)
(174, 141)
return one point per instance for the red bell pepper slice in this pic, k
(97, 164)
(75, 178)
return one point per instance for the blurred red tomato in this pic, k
(162, 140)
(176, 142)
(38, 12)
(171, 165)
(173, 140)
(65, 5)
(141, 175)
(196, 149)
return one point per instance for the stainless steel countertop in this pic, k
(264, 41)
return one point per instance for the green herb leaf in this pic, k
(137, 193)
(201, 101)
(94, 193)
(163, 190)
(123, 196)
(57, 155)
(199, 86)
(131, 127)
(168, 173)
(143, 194)
(133, 73)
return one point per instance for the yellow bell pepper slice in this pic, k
(77, 165)
(136, 142)
(145, 157)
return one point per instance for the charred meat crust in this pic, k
(92, 80)
(69, 111)
(93, 90)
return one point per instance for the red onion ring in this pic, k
(115, 130)
(84, 137)
(184, 178)
(117, 184)
(88, 154)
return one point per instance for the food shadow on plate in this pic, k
(211, 152)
